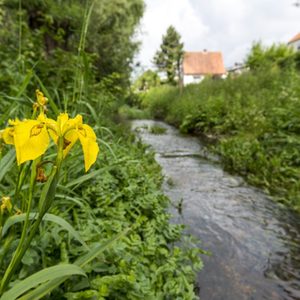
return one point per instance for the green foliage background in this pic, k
(86, 69)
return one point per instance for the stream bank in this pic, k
(255, 242)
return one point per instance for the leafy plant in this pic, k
(157, 129)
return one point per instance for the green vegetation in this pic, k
(127, 112)
(155, 129)
(254, 116)
(66, 233)
(168, 58)
(146, 81)
(277, 55)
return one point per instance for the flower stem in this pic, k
(45, 202)
(21, 248)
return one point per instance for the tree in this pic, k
(147, 80)
(111, 36)
(279, 55)
(49, 32)
(169, 57)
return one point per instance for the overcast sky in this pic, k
(229, 26)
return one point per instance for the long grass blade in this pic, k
(79, 75)
(48, 274)
(6, 163)
(84, 178)
(85, 259)
(101, 141)
(8, 112)
(48, 217)
(92, 111)
(25, 83)
(46, 288)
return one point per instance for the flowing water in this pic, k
(255, 242)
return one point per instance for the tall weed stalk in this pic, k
(80, 70)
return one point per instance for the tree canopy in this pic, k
(46, 34)
(147, 80)
(276, 55)
(169, 57)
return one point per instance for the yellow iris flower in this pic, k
(5, 205)
(72, 130)
(31, 138)
(41, 99)
(8, 133)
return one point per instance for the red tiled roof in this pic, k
(295, 38)
(200, 63)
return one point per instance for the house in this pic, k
(237, 69)
(196, 65)
(295, 42)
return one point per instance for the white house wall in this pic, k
(296, 45)
(188, 79)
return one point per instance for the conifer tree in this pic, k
(169, 57)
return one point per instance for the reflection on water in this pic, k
(255, 243)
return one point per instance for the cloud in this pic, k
(160, 14)
(229, 26)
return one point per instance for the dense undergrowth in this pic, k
(254, 116)
(120, 195)
(108, 227)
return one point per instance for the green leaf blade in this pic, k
(42, 276)
(48, 217)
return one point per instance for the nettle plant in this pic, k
(31, 139)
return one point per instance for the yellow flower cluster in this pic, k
(5, 205)
(41, 101)
(31, 138)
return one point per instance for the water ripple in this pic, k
(255, 243)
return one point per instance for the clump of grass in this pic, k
(156, 129)
(133, 113)
(170, 182)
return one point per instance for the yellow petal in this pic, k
(70, 138)
(62, 122)
(51, 125)
(41, 99)
(6, 204)
(8, 135)
(68, 129)
(72, 124)
(65, 128)
(77, 120)
(31, 140)
(53, 135)
(89, 145)
(48, 121)
(41, 117)
(14, 122)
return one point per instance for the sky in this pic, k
(229, 26)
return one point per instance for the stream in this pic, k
(255, 242)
